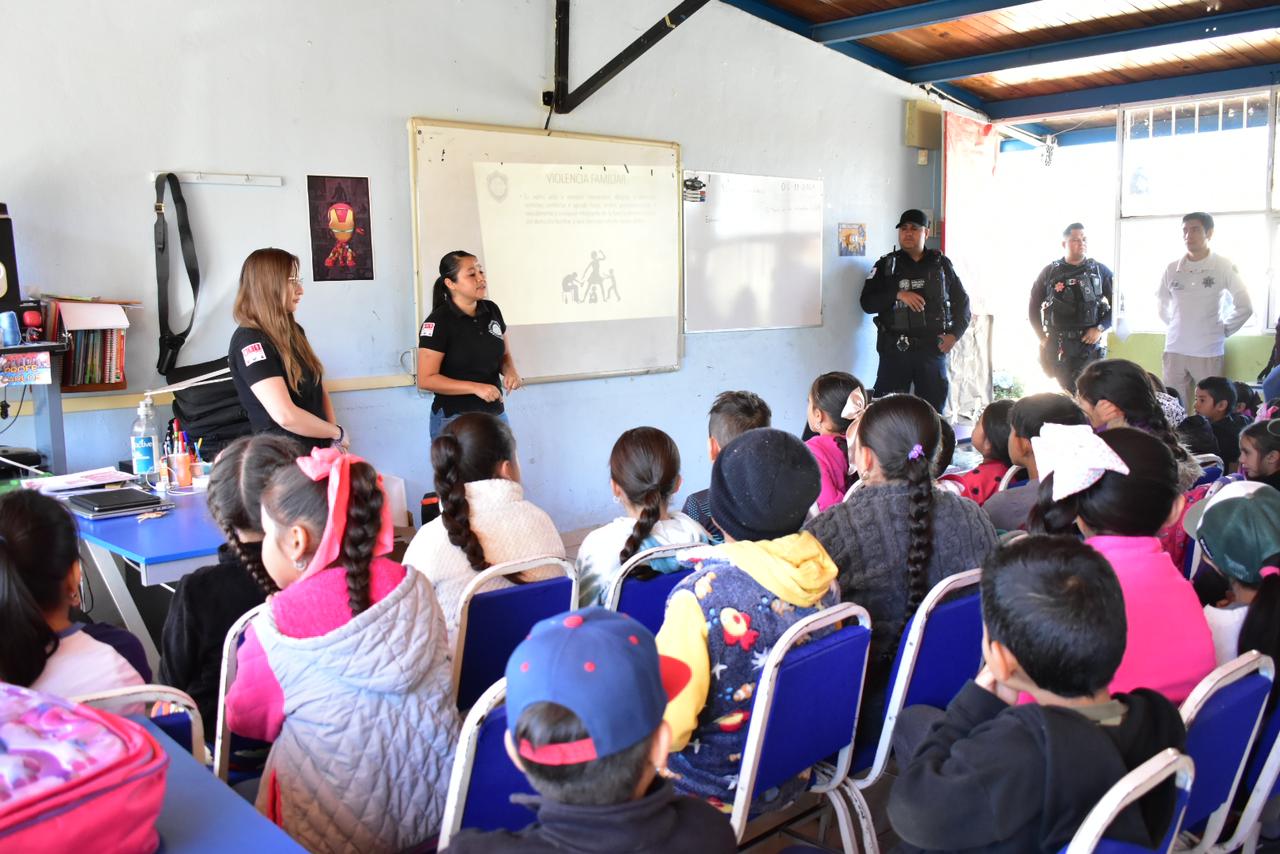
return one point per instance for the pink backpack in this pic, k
(74, 778)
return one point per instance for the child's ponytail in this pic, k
(364, 522)
(645, 464)
(38, 549)
(904, 434)
(470, 448)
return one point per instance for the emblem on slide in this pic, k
(592, 286)
(498, 186)
(253, 353)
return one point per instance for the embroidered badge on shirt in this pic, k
(253, 353)
(1208, 281)
(495, 329)
(427, 329)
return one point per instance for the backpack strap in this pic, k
(171, 342)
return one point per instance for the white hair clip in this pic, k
(1075, 456)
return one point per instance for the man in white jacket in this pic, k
(1202, 300)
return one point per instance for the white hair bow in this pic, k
(855, 405)
(1075, 456)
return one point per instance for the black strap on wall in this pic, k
(171, 342)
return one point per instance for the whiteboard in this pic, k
(752, 252)
(579, 237)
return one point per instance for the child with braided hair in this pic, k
(644, 472)
(347, 670)
(208, 601)
(885, 566)
(484, 517)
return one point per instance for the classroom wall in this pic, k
(95, 99)
(1246, 354)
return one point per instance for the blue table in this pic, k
(201, 813)
(162, 550)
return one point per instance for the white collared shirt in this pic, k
(1202, 303)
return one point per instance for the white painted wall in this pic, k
(96, 95)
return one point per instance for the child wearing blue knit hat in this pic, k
(585, 696)
(722, 620)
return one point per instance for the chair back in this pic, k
(186, 728)
(853, 487)
(1208, 460)
(645, 600)
(483, 778)
(940, 650)
(230, 646)
(1262, 778)
(502, 619)
(1208, 475)
(1165, 765)
(1223, 716)
(1007, 480)
(806, 704)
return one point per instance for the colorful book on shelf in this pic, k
(96, 358)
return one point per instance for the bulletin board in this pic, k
(579, 236)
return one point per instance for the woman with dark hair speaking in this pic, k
(462, 345)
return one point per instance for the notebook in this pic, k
(115, 502)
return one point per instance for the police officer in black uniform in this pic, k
(921, 311)
(1070, 309)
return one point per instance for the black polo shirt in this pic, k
(253, 358)
(473, 348)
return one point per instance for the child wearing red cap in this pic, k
(585, 696)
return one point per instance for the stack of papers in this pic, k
(77, 480)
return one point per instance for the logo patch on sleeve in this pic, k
(495, 329)
(253, 353)
(428, 329)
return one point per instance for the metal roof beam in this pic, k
(905, 18)
(1178, 32)
(1166, 89)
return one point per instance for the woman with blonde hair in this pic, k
(276, 373)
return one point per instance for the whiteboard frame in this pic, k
(822, 237)
(417, 123)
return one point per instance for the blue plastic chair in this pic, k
(645, 600)
(1223, 716)
(185, 727)
(939, 651)
(1007, 481)
(491, 624)
(1165, 765)
(483, 778)
(805, 711)
(222, 737)
(1262, 779)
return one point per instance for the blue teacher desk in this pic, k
(202, 814)
(161, 550)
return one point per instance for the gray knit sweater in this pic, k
(866, 537)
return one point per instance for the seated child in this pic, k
(995, 776)
(897, 535)
(740, 600)
(732, 414)
(207, 601)
(1120, 488)
(585, 695)
(347, 671)
(828, 397)
(1008, 510)
(39, 585)
(1248, 402)
(1260, 452)
(644, 472)
(1168, 400)
(1239, 533)
(1215, 400)
(484, 517)
(1195, 432)
(991, 439)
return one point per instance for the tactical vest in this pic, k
(1073, 298)
(936, 317)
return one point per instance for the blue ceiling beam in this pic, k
(1209, 27)
(1168, 88)
(905, 18)
(862, 53)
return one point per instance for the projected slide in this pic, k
(568, 243)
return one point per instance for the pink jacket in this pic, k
(309, 608)
(833, 464)
(1169, 646)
